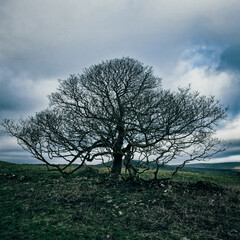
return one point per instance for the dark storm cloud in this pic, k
(1, 134)
(55, 38)
(232, 150)
(230, 59)
(232, 101)
(12, 100)
(17, 156)
(44, 40)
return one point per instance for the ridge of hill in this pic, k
(225, 168)
(224, 165)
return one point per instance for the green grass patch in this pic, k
(37, 204)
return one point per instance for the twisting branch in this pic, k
(117, 110)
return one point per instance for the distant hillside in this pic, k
(225, 165)
(227, 168)
(3, 163)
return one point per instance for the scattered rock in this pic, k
(120, 213)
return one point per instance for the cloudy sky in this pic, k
(186, 42)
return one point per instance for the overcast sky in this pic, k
(185, 41)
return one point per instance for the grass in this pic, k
(36, 204)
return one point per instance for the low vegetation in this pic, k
(37, 204)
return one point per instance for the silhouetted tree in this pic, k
(117, 110)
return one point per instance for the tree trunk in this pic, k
(117, 164)
(117, 150)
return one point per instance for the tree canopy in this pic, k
(118, 111)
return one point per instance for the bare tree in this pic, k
(117, 110)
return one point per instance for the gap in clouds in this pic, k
(199, 67)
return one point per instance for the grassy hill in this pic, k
(36, 204)
(226, 168)
(224, 165)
